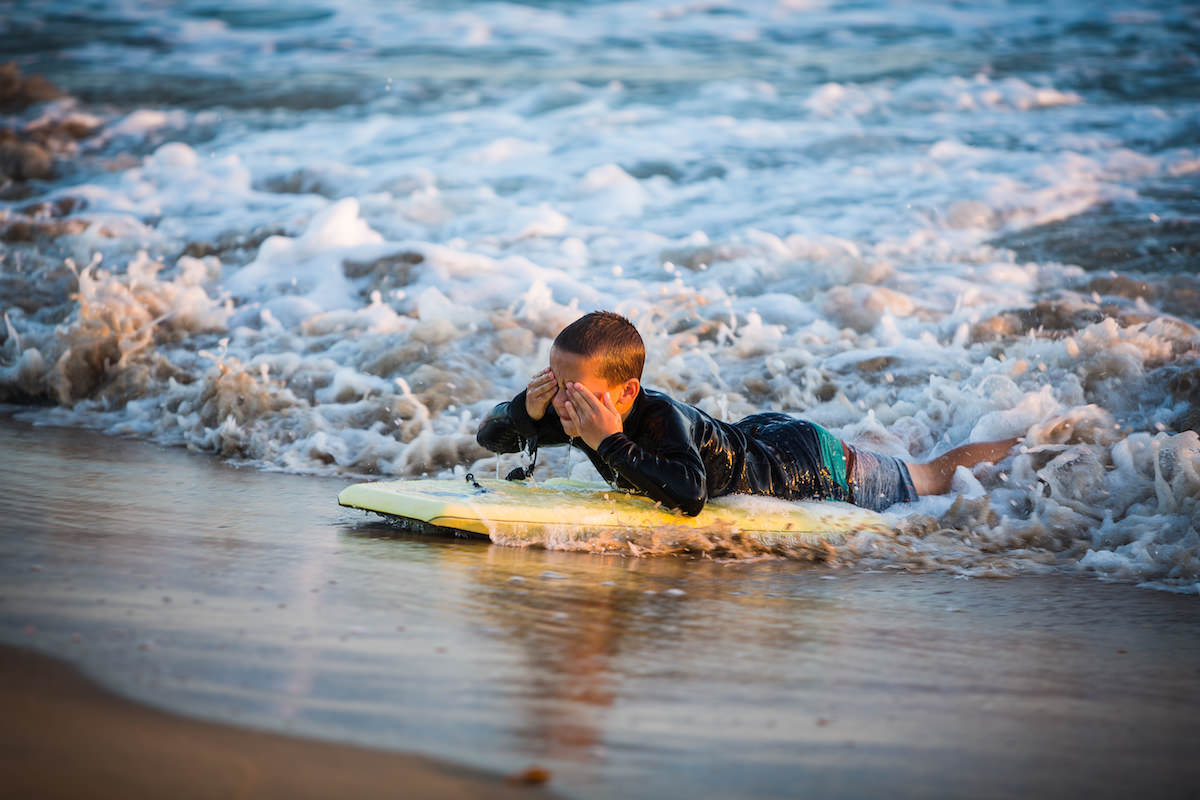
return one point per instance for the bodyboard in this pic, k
(512, 510)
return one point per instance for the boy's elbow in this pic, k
(485, 436)
(497, 432)
(691, 503)
(497, 438)
(689, 507)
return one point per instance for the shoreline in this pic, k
(66, 736)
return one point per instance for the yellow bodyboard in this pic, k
(514, 510)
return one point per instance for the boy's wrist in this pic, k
(519, 414)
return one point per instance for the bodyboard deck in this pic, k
(511, 510)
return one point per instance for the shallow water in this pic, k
(246, 596)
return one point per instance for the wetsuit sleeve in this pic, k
(508, 428)
(672, 474)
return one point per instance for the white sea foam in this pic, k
(349, 289)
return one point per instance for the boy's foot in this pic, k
(1089, 424)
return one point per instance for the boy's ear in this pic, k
(629, 390)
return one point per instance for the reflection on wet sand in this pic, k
(249, 597)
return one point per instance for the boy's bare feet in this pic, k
(935, 477)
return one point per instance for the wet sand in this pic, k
(248, 598)
(64, 737)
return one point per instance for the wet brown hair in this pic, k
(610, 337)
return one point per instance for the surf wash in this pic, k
(525, 472)
(571, 465)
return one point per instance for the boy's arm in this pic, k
(673, 475)
(671, 471)
(508, 428)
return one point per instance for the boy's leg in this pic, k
(878, 481)
(935, 476)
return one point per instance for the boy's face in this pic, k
(574, 368)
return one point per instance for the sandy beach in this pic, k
(64, 737)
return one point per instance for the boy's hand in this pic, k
(539, 393)
(595, 418)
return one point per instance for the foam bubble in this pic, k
(310, 265)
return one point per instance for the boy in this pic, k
(647, 442)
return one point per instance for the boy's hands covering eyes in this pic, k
(539, 393)
(595, 418)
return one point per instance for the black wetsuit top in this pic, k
(678, 455)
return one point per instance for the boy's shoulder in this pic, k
(654, 402)
(654, 397)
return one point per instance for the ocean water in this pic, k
(326, 237)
